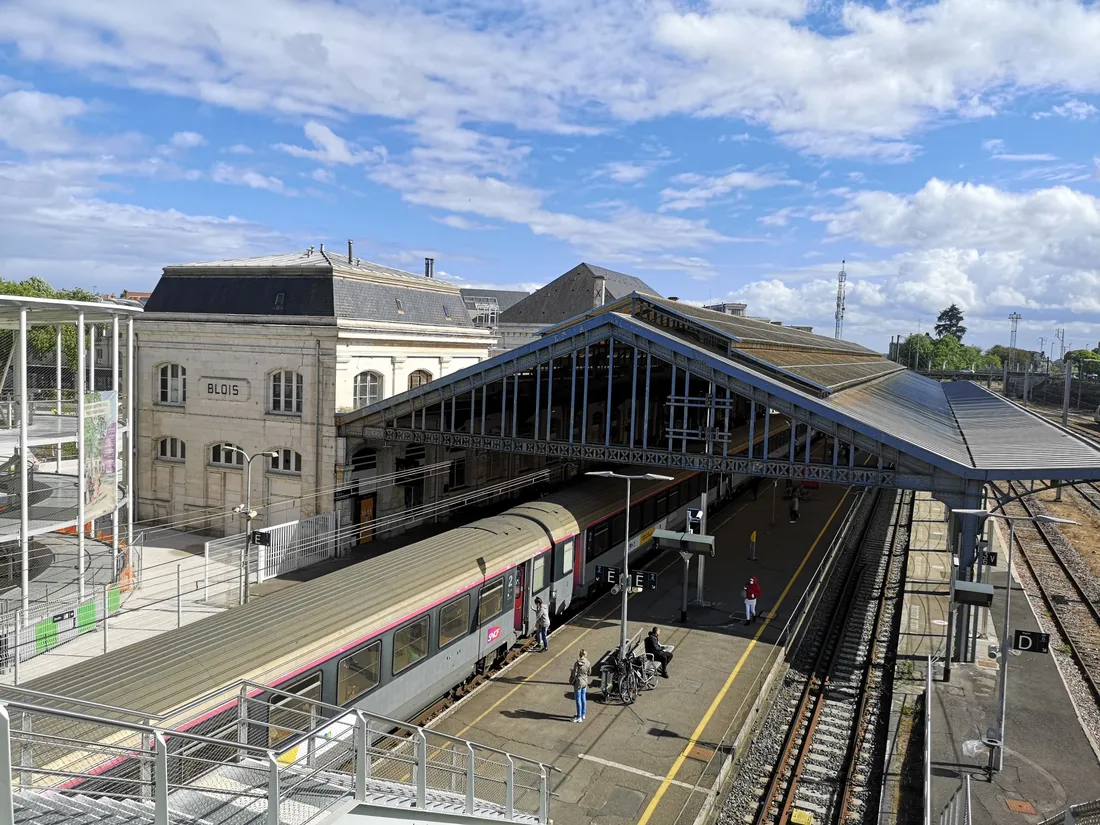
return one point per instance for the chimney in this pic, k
(599, 291)
(322, 249)
(429, 267)
(350, 256)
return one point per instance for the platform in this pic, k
(1049, 761)
(654, 762)
(53, 504)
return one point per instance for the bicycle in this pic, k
(619, 680)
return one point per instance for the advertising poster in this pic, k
(100, 453)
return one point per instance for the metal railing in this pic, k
(1086, 813)
(928, 743)
(254, 745)
(957, 810)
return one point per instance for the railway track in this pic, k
(1074, 612)
(827, 725)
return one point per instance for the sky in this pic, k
(949, 151)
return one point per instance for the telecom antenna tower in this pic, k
(1015, 319)
(841, 280)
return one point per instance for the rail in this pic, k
(285, 754)
(1086, 813)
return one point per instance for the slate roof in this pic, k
(571, 294)
(312, 284)
(506, 298)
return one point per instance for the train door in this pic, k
(578, 561)
(521, 597)
(366, 518)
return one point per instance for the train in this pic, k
(392, 634)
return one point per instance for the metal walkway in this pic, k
(247, 755)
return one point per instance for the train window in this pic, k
(648, 510)
(662, 506)
(618, 529)
(491, 602)
(567, 556)
(601, 541)
(358, 673)
(454, 620)
(292, 715)
(410, 644)
(538, 573)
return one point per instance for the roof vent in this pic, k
(309, 251)
(400, 306)
(322, 249)
(429, 267)
(350, 256)
(673, 298)
(279, 301)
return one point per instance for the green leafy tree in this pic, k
(1088, 361)
(42, 341)
(950, 323)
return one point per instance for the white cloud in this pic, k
(238, 149)
(703, 190)
(626, 172)
(224, 173)
(38, 123)
(876, 76)
(993, 145)
(58, 227)
(187, 140)
(1072, 109)
(331, 148)
(459, 222)
(323, 175)
(1042, 157)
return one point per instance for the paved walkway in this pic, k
(1049, 763)
(654, 762)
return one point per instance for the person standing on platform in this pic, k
(542, 625)
(752, 593)
(579, 677)
(794, 508)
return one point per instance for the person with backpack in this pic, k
(578, 678)
(542, 626)
(794, 508)
(752, 593)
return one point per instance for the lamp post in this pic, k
(249, 514)
(624, 582)
(1006, 639)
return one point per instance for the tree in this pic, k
(949, 322)
(41, 341)
(1088, 361)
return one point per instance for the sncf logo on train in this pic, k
(493, 635)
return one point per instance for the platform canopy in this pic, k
(52, 311)
(648, 381)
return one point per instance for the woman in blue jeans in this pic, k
(579, 677)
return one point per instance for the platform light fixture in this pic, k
(248, 512)
(1006, 637)
(623, 635)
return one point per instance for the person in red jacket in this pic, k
(752, 593)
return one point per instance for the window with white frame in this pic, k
(173, 384)
(226, 455)
(171, 449)
(419, 378)
(286, 461)
(286, 392)
(368, 388)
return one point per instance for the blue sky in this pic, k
(731, 149)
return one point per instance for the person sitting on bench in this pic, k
(658, 651)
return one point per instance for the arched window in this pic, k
(368, 388)
(286, 392)
(419, 379)
(173, 384)
(226, 455)
(287, 461)
(364, 460)
(171, 449)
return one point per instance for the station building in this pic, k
(261, 354)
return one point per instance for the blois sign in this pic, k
(224, 389)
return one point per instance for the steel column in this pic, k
(160, 777)
(421, 768)
(81, 459)
(7, 791)
(118, 413)
(633, 394)
(484, 404)
(610, 378)
(645, 413)
(538, 397)
(24, 482)
(687, 394)
(549, 397)
(793, 433)
(584, 408)
(503, 404)
(726, 425)
(454, 411)
(272, 817)
(515, 405)
(836, 449)
(767, 428)
(809, 439)
(131, 431)
(752, 425)
(671, 408)
(57, 392)
(573, 397)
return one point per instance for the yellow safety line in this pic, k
(694, 740)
